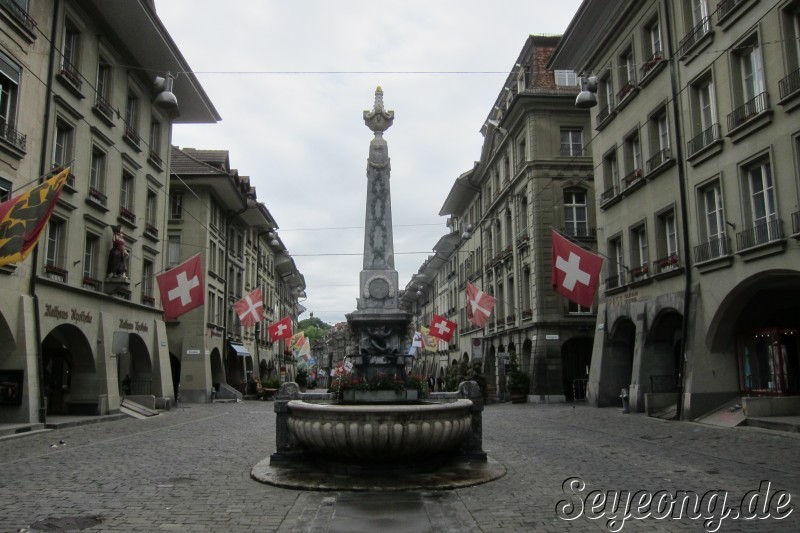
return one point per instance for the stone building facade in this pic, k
(696, 149)
(533, 175)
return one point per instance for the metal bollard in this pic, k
(625, 404)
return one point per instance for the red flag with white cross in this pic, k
(282, 329)
(182, 288)
(250, 309)
(576, 271)
(442, 328)
(479, 305)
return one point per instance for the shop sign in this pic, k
(79, 317)
(140, 327)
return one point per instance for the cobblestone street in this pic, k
(189, 470)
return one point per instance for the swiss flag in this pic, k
(576, 272)
(282, 329)
(479, 305)
(250, 308)
(442, 328)
(181, 288)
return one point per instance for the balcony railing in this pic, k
(710, 135)
(148, 300)
(102, 105)
(127, 214)
(97, 196)
(667, 263)
(579, 230)
(150, 229)
(604, 113)
(70, 73)
(55, 272)
(656, 58)
(790, 84)
(18, 13)
(660, 157)
(747, 111)
(713, 249)
(639, 273)
(760, 234)
(608, 195)
(694, 35)
(13, 136)
(632, 178)
(132, 135)
(572, 150)
(615, 281)
(726, 7)
(626, 90)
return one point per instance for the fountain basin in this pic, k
(370, 433)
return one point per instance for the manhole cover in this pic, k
(67, 523)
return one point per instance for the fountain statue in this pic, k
(362, 434)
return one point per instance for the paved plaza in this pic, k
(188, 469)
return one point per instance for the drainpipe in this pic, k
(687, 271)
(37, 327)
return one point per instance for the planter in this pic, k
(519, 397)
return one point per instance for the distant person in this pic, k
(431, 383)
(126, 385)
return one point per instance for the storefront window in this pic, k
(768, 363)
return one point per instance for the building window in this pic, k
(605, 97)
(712, 228)
(652, 47)
(9, 86)
(97, 176)
(55, 259)
(659, 140)
(150, 211)
(132, 119)
(155, 141)
(761, 215)
(704, 114)
(610, 176)
(575, 213)
(70, 54)
(63, 144)
(748, 83)
(616, 267)
(522, 156)
(103, 90)
(566, 78)
(571, 141)
(639, 255)
(90, 261)
(667, 242)
(147, 282)
(627, 73)
(791, 29)
(576, 309)
(126, 193)
(632, 151)
(173, 250)
(5, 190)
(176, 205)
(696, 23)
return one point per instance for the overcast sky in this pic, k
(291, 79)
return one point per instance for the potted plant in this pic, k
(518, 381)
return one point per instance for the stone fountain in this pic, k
(387, 444)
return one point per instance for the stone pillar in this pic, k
(285, 443)
(472, 447)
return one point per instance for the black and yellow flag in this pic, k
(24, 217)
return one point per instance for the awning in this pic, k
(240, 350)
